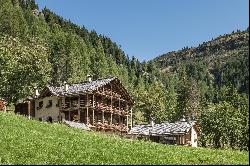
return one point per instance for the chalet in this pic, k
(102, 104)
(180, 133)
(2, 105)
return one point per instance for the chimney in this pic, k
(89, 78)
(66, 86)
(36, 91)
(183, 119)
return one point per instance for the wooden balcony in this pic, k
(96, 103)
(108, 108)
(109, 95)
(109, 127)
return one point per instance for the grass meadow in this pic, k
(24, 141)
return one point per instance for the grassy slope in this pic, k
(25, 141)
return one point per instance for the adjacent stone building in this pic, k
(180, 133)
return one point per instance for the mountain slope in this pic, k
(26, 141)
(221, 47)
(72, 52)
(40, 47)
(227, 54)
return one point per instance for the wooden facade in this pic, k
(106, 108)
(25, 107)
(2, 105)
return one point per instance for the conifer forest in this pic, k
(208, 83)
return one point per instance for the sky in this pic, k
(149, 28)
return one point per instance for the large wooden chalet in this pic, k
(102, 104)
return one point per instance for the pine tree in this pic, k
(12, 21)
(99, 63)
(171, 100)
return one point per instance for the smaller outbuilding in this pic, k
(179, 133)
(2, 105)
(25, 106)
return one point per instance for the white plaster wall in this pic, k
(194, 141)
(44, 112)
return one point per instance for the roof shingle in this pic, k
(80, 88)
(163, 129)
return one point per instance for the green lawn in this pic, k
(25, 141)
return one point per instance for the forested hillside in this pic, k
(223, 60)
(40, 47)
(208, 83)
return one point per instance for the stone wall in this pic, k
(42, 113)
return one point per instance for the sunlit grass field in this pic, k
(24, 141)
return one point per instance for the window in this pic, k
(75, 103)
(169, 140)
(57, 104)
(40, 105)
(49, 104)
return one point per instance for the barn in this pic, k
(179, 133)
(2, 105)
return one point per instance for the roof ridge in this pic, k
(81, 86)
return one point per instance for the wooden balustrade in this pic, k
(105, 101)
(110, 127)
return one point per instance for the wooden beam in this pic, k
(111, 119)
(131, 118)
(127, 122)
(119, 104)
(78, 105)
(87, 115)
(60, 108)
(93, 110)
(70, 105)
(122, 90)
(111, 89)
(93, 100)
(111, 103)
(102, 117)
(63, 101)
(5, 107)
(79, 112)
(69, 115)
(29, 108)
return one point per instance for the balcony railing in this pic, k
(109, 127)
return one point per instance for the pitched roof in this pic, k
(140, 129)
(163, 129)
(85, 87)
(77, 125)
(80, 88)
(23, 100)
